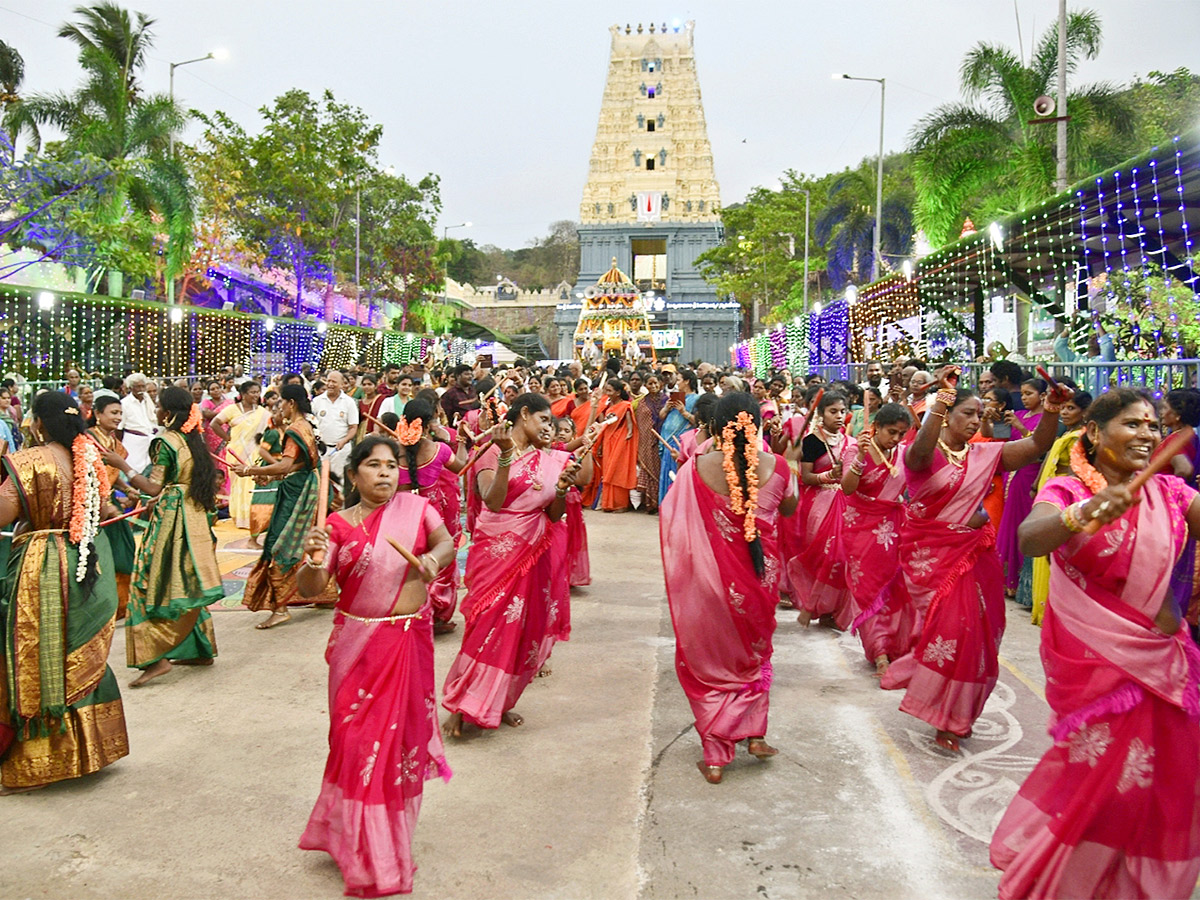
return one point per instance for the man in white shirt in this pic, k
(139, 421)
(337, 420)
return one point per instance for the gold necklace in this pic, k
(883, 457)
(957, 458)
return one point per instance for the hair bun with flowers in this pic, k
(194, 420)
(90, 486)
(742, 505)
(409, 433)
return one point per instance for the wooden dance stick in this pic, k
(1047, 377)
(1159, 461)
(382, 427)
(661, 441)
(220, 461)
(808, 417)
(128, 515)
(322, 506)
(475, 457)
(406, 553)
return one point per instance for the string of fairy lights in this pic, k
(1084, 246)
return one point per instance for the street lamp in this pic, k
(877, 258)
(446, 270)
(218, 55)
(390, 170)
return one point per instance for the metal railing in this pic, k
(1156, 375)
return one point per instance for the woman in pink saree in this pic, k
(430, 467)
(720, 549)
(1113, 808)
(512, 569)
(815, 566)
(873, 481)
(948, 552)
(1018, 495)
(383, 737)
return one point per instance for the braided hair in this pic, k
(177, 403)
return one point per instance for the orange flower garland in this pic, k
(90, 485)
(409, 433)
(1084, 470)
(194, 420)
(742, 505)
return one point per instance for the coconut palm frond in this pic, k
(1084, 36)
(106, 28)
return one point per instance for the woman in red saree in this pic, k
(511, 578)
(720, 548)
(873, 482)
(383, 737)
(1113, 808)
(618, 473)
(815, 566)
(948, 552)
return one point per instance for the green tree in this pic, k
(13, 118)
(982, 158)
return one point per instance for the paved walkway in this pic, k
(597, 795)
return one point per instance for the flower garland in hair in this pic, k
(1084, 470)
(90, 486)
(409, 433)
(194, 420)
(742, 505)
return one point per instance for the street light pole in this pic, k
(446, 268)
(877, 256)
(213, 54)
(1061, 111)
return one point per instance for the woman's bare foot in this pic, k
(804, 618)
(192, 662)
(786, 603)
(948, 740)
(712, 774)
(881, 666)
(162, 667)
(452, 727)
(511, 719)
(828, 621)
(443, 627)
(275, 619)
(545, 671)
(760, 749)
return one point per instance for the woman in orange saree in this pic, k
(619, 440)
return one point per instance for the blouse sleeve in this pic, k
(1060, 492)
(1180, 493)
(164, 463)
(812, 449)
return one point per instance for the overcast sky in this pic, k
(501, 98)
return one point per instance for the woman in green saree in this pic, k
(60, 707)
(175, 575)
(272, 582)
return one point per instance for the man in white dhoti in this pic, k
(139, 421)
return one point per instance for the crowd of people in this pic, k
(910, 510)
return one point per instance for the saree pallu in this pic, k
(816, 567)
(176, 575)
(1113, 808)
(1018, 501)
(871, 523)
(60, 708)
(673, 426)
(1059, 458)
(578, 561)
(384, 741)
(271, 584)
(510, 588)
(722, 613)
(620, 453)
(952, 577)
(262, 498)
(649, 454)
(443, 590)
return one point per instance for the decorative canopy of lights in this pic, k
(43, 332)
(1134, 224)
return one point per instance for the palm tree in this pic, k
(107, 118)
(12, 117)
(845, 227)
(983, 158)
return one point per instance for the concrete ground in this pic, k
(595, 796)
